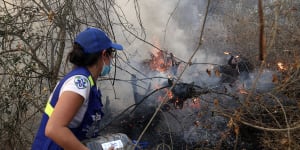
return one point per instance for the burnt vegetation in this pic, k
(254, 102)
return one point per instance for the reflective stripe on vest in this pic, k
(49, 108)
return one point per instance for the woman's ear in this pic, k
(105, 53)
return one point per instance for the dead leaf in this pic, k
(274, 78)
(294, 9)
(297, 64)
(217, 73)
(216, 102)
(51, 15)
(230, 123)
(284, 141)
(237, 115)
(208, 72)
(243, 91)
(236, 130)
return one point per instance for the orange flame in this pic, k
(226, 53)
(281, 66)
(170, 94)
(159, 62)
(196, 103)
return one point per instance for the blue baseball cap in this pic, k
(94, 40)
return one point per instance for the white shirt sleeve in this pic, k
(78, 84)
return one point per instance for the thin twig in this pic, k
(286, 121)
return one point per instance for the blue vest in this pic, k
(89, 128)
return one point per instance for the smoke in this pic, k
(170, 36)
(264, 83)
(170, 25)
(175, 28)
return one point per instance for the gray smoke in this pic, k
(179, 36)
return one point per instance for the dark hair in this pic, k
(111, 52)
(79, 58)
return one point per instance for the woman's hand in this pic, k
(111, 148)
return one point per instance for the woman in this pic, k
(73, 111)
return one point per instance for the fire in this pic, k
(166, 63)
(170, 94)
(159, 62)
(226, 53)
(243, 91)
(178, 103)
(281, 66)
(195, 103)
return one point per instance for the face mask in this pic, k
(105, 69)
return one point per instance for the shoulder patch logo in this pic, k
(81, 82)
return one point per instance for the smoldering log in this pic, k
(181, 92)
